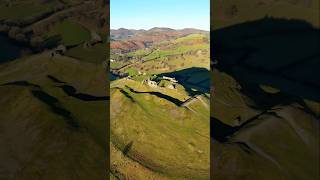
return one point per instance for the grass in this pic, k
(132, 71)
(164, 142)
(166, 139)
(43, 134)
(96, 54)
(190, 37)
(71, 32)
(160, 61)
(140, 52)
(177, 47)
(116, 64)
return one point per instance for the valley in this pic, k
(159, 104)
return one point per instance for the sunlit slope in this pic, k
(168, 56)
(155, 134)
(53, 118)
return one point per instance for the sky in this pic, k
(146, 14)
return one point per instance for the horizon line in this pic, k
(159, 27)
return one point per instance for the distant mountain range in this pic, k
(123, 33)
(131, 39)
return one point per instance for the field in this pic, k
(158, 132)
(71, 33)
(177, 56)
(95, 54)
(70, 121)
(139, 118)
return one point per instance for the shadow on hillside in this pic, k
(158, 94)
(277, 52)
(195, 80)
(52, 102)
(72, 91)
(56, 107)
(220, 131)
(10, 49)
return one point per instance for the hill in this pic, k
(145, 38)
(53, 117)
(49, 24)
(54, 79)
(170, 145)
(160, 108)
(165, 56)
(265, 105)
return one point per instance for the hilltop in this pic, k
(54, 117)
(53, 80)
(129, 39)
(160, 107)
(155, 134)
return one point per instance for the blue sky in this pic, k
(146, 14)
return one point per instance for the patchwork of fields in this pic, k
(160, 110)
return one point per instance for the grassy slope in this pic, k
(154, 62)
(177, 46)
(95, 54)
(168, 141)
(71, 33)
(186, 152)
(45, 137)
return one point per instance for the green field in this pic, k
(182, 53)
(153, 135)
(94, 54)
(54, 128)
(164, 143)
(71, 33)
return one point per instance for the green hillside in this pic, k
(71, 33)
(161, 131)
(167, 56)
(53, 125)
(166, 138)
